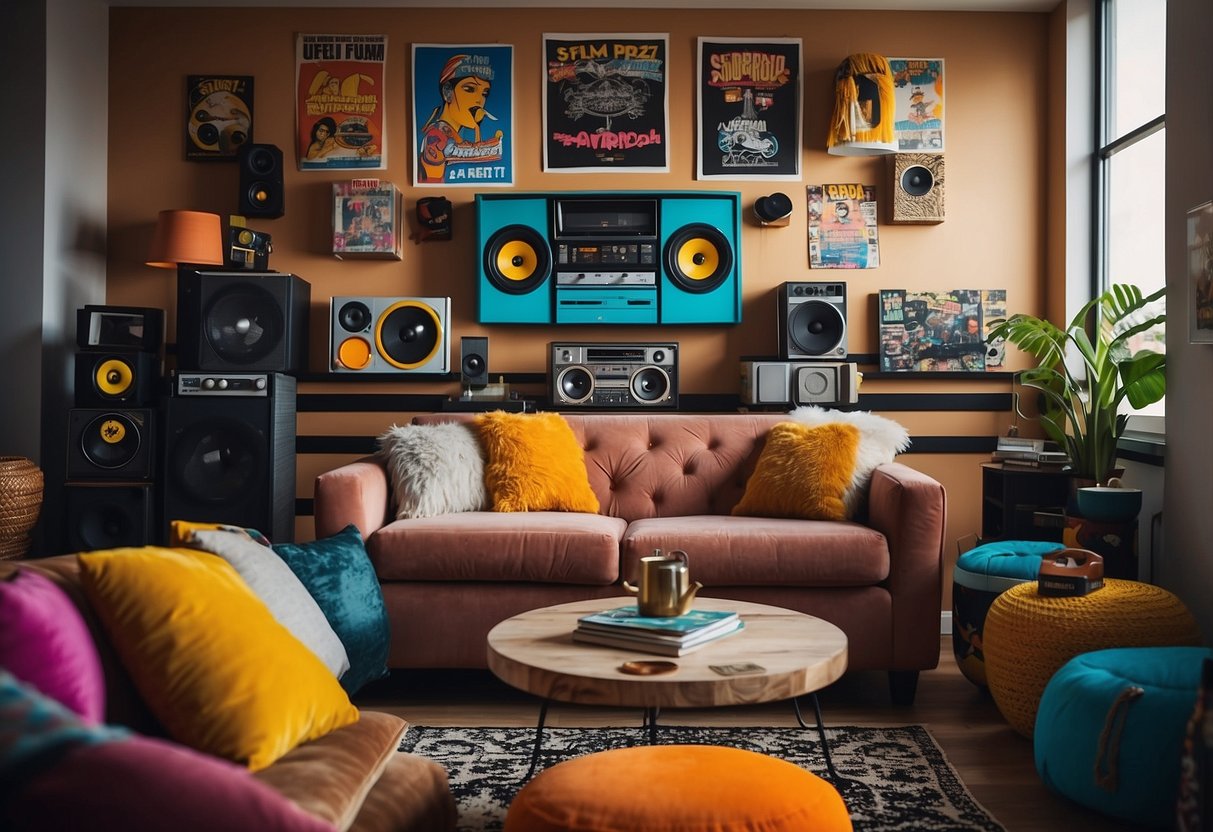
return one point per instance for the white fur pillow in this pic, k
(434, 469)
(880, 440)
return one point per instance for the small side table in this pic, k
(1115, 541)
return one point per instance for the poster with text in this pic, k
(934, 331)
(918, 104)
(219, 116)
(842, 227)
(463, 115)
(605, 103)
(340, 122)
(749, 100)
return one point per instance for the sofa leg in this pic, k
(903, 684)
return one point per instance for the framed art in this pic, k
(219, 116)
(1200, 274)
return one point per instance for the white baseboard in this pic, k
(945, 623)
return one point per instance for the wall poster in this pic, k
(463, 115)
(339, 102)
(938, 331)
(219, 116)
(918, 104)
(1200, 274)
(842, 227)
(749, 100)
(605, 103)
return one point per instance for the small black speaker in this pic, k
(112, 379)
(110, 444)
(474, 361)
(261, 187)
(108, 515)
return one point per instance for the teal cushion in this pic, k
(1000, 565)
(339, 575)
(1143, 749)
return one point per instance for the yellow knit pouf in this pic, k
(1028, 636)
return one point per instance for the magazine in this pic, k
(932, 331)
(629, 618)
(842, 227)
(637, 640)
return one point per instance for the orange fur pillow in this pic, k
(535, 463)
(802, 473)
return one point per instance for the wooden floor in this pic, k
(995, 763)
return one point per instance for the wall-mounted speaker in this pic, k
(256, 323)
(109, 515)
(474, 361)
(390, 335)
(110, 444)
(812, 320)
(701, 258)
(261, 187)
(111, 379)
(515, 260)
(918, 187)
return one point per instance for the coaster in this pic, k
(647, 668)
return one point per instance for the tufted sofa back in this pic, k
(664, 465)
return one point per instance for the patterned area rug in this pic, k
(893, 778)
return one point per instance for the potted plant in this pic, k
(1086, 370)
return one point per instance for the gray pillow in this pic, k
(434, 469)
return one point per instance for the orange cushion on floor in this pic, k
(677, 788)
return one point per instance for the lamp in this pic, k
(186, 237)
(863, 107)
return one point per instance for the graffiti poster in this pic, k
(918, 104)
(605, 103)
(219, 116)
(748, 125)
(340, 122)
(463, 130)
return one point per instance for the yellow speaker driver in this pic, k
(113, 377)
(698, 258)
(112, 431)
(517, 260)
(354, 353)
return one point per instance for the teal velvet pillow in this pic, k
(339, 575)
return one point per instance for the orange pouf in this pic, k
(677, 788)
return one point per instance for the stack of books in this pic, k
(1015, 451)
(626, 628)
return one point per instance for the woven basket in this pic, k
(20, 503)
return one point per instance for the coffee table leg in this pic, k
(821, 731)
(543, 712)
(650, 720)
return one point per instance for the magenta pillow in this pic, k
(45, 643)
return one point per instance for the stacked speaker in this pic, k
(229, 422)
(111, 450)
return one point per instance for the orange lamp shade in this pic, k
(186, 237)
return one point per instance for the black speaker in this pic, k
(229, 452)
(261, 189)
(474, 361)
(108, 515)
(812, 320)
(113, 379)
(110, 444)
(242, 322)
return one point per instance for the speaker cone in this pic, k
(576, 384)
(408, 334)
(917, 180)
(243, 323)
(261, 161)
(113, 377)
(516, 259)
(698, 258)
(473, 365)
(650, 384)
(815, 327)
(217, 462)
(354, 316)
(110, 440)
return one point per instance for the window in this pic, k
(1130, 163)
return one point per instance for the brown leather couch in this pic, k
(664, 481)
(354, 777)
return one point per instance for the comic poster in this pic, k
(748, 124)
(366, 219)
(605, 103)
(842, 227)
(219, 116)
(1200, 274)
(339, 97)
(935, 331)
(918, 104)
(463, 115)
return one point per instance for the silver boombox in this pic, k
(614, 375)
(799, 382)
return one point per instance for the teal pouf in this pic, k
(1110, 729)
(981, 575)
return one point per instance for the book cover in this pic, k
(366, 219)
(630, 618)
(629, 641)
(657, 635)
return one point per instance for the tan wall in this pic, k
(997, 77)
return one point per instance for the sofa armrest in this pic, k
(355, 493)
(910, 509)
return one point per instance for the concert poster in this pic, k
(463, 115)
(340, 98)
(843, 230)
(918, 104)
(749, 109)
(219, 116)
(605, 103)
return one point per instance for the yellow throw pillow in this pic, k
(802, 473)
(535, 463)
(209, 659)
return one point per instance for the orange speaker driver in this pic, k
(354, 353)
(113, 377)
(517, 260)
(408, 334)
(698, 258)
(111, 431)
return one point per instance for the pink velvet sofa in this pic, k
(665, 481)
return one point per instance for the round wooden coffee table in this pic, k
(797, 653)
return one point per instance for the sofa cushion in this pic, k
(412, 793)
(535, 547)
(434, 469)
(45, 643)
(802, 473)
(534, 463)
(758, 551)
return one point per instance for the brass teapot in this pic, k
(665, 587)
